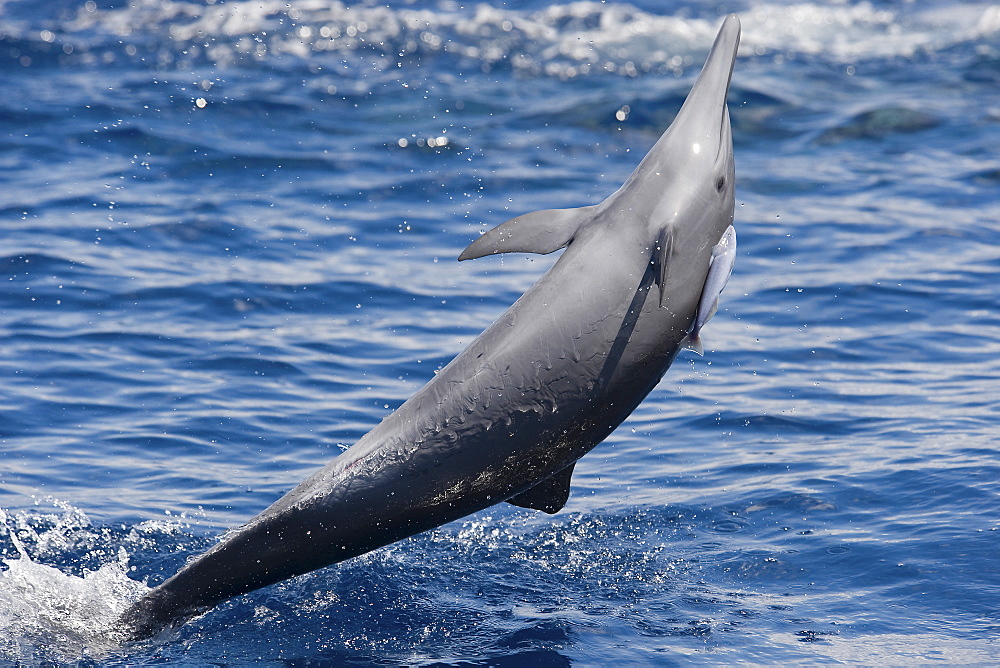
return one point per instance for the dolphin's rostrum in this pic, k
(509, 417)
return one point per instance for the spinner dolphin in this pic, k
(509, 417)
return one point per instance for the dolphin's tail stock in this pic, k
(274, 546)
(151, 614)
(295, 535)
(195, 589)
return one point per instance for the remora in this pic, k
(509, 417)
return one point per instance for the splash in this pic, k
(47, 615)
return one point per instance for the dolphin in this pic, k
(509, 417)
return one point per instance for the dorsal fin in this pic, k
(536, 232)
(549, 496)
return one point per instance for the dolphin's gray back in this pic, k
(551, 378)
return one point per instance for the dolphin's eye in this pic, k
(720, 184)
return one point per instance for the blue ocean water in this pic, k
(229, 232)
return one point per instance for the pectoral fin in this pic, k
(549, 496)
(536, 232)
(720, 267)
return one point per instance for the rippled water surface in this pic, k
(229, 233)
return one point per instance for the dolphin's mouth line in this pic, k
(725, 95)
(722, 127)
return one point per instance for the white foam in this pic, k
(848, 32)
(564, 40)
(48, 615)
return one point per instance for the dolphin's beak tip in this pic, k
(732, 24)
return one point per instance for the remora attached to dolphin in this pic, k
(509, 417)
